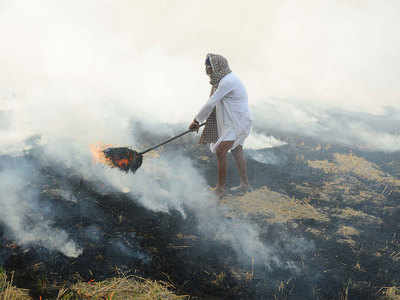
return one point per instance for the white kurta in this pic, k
(232, 108)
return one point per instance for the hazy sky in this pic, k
(333, 51)
(146, 59)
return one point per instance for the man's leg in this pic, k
(241, 165)
(221, 152)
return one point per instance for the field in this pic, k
(341, 206)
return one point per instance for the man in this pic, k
(228, 119)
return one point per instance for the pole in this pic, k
(169, 140)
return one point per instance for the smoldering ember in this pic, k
(321, 223)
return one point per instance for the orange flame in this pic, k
(99, 156)
(123, 163)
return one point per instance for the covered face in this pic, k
(219, 66)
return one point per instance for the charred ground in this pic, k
(346, 201)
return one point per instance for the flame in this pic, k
(100, 157)
(122, 163)
(98, 154)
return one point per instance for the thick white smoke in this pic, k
(171, 182)
(24, 218)
(77, 72)
(362, 130)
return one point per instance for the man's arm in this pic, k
(224, 88)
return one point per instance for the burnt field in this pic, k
(340, 205)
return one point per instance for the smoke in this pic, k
(100, 60)
(26, 220)
(374, 132)
(257, 146)
(126, 245)
(338, 53)
(264, 157)
(77, 73)
(257, 141)
(171, 182)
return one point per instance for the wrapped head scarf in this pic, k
(220, 68)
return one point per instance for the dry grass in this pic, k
(390, 293)
(347, 231)
(120, 288)
(275, 207)
(350, 189)
(350, 163)
(112, 289)
(347, 241)
(317, 232)
(10, 292)
(349, 213)
(346, 234)
(348, 185)
(283, 291)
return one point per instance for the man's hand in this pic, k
(194, 126)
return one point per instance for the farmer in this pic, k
(228, 119)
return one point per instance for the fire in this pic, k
(123, 158)
(123, 163)
(98, 154)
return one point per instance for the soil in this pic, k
(346, 201)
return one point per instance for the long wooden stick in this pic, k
(169, 140)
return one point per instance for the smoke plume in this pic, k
(75, 73)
